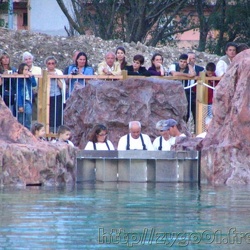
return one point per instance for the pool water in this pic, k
(125, 216)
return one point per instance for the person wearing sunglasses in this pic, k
(98, 139)
(57, 94)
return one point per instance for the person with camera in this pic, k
(80, 68)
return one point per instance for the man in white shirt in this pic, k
(171, 126)
(135, 140)
(162, 142)
(183, 68)
(225, 60)
(109, 66)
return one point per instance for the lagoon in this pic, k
(125, 216)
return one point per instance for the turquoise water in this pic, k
(125, 216)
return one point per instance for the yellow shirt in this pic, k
(115, 69)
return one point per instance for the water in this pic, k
(125, 216)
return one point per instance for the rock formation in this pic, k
(26, 161)
(115, 103)
(226, 148)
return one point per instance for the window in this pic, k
(25, 19)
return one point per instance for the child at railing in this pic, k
(24, 95)
(210, 72)
(38, 130)
(136, 69)
(64, 134)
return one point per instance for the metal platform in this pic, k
(138, 166)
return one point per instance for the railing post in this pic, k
(124, 74)
(43, 100)
(201, 99)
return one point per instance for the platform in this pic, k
(138, 166)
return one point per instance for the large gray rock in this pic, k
(26, 161)
(226, 148)
(115, 103)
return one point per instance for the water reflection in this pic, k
(122, 215)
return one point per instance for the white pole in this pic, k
(10, 15)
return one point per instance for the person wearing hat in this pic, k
(171, 126)
(162, 141)
(135, 140)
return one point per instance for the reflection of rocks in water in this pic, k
(115, 103)
(26, 161)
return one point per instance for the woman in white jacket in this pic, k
(98, 139)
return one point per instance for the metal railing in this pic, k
(199, 85)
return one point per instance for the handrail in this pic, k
(112, 77)
(18, 76)
(99, 77)
(201, 83)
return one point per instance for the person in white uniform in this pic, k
(135, 140)
(162, 142)
(98, 139)
(171, 126)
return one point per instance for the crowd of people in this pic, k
(135, 139)
(22, 97)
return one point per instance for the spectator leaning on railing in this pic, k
(182, 68)
(136, 69)
(57, 94)
(25, 95)
(109, 66)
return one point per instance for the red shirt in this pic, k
(211, 91)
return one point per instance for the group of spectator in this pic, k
(113, 64)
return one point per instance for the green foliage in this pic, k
(232, 22)
(3, 9)
(129, 20)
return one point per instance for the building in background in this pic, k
(19, 17)
(43, 16)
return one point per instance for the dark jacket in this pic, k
(30, 82)
(152, 70)
(141, 72)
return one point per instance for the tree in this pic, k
(3, 9)
(206, 11)
(145, 21)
